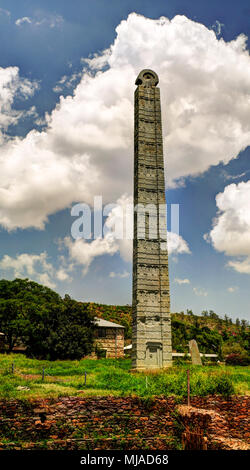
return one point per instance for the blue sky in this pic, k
(66, 112)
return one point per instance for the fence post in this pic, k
(188, 387)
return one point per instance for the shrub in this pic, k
(237, 359)
(100, 353)
(224, 385)
(230, 347)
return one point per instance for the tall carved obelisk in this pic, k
(151, 344)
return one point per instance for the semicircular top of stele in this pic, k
(147, 77)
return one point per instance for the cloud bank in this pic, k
(231, 230)
(12, 87)
(118, 238)
(86, 147)
(34, 266)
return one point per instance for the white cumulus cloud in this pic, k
(177, 244)
(12, 86)
(83, 253)
(200, 291)
(120, 275)
(24, 19)
(51, 21)
(232, 289)
(231, 228)
(182, 281)
(117, 238)
(4, 12)
(87, 146)
(35, 267)
(62, 275)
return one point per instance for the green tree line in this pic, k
(47, 325)
(52, 327)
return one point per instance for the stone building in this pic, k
(151, 342)
(109, 338)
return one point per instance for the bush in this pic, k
(237, 359)
(224, 385)
(172, 382)
(182, 361)
(100, 353)
(230, 347)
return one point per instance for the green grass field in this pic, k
(113, 377)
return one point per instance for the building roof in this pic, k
(106, 323)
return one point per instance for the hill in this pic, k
(212, 333)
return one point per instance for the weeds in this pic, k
(110, 376)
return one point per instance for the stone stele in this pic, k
(195, 353)
(151, 340)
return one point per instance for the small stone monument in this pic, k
(195, 353)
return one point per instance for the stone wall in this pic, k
(113, 342)
(78, 423)
(228, 421)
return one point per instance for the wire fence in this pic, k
(11, 369)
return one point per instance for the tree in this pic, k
(243, 325)
(209, 340)
(16, 298)
(204, 313)
(229, 348)
(10, 321)
(75, 335)
(179, 336)
(64, 331)
(48, 326)
(196, 322)
(213, 315)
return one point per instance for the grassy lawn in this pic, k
(112, 377)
